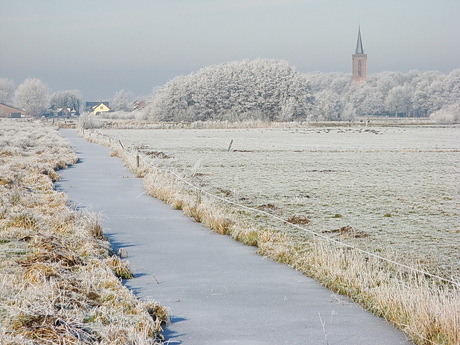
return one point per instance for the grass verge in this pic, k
(59, 280)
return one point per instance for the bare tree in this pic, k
(6, 90)
(32, 96)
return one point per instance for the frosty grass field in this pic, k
(59, 280)
(397, 188)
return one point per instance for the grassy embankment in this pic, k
(426, 309)
(60, 283)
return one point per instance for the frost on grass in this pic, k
(341, 184)
(59, 281)
(396, 185)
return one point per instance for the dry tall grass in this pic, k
(426, 309)
(59, 281)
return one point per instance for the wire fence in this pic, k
(137, 155)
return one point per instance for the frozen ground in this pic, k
(399, 186)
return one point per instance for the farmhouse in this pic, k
(10, 111)
(139, 105)
(66, 112)
(97, 107)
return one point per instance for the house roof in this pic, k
(101, 106)
(95, 104)
(64, 110)
(139, 105)
(6, 110)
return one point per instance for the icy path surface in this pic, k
(219, 291)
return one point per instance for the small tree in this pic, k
(32, 96)
(6, 90)
(89, 121)
(66, 99)
(448, 115)
(122, 101)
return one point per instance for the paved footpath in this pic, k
(219, 291)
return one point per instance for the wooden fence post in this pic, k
(230, 146)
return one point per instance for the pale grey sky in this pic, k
(102, 46)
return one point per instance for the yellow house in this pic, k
(100, 108)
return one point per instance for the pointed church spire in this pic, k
(359, 61)
(359, 43)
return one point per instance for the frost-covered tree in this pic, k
(399, 100)
(436, 96)
(386, 81)
(271, 90)
(66, 99)
(452, 87)
(362, 100)
(6, 90)
(32, 96)
(450, 114)
(89, 121)
(122, 101)
(329, 105)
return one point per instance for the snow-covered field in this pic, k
(396, 187)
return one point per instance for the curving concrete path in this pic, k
(219, 291)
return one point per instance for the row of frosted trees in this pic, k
(413, 94)
(268, 90)
(33, 96)
(272, 90)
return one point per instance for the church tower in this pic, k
(359, 61)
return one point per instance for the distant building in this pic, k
(359, 61)
(10, 111)
(139, 105)
(97, 107)
(65, 112)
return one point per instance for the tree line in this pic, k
(273, 90)
(34, 97)
(268, 90)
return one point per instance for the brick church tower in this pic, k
(359, 61)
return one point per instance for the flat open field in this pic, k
(396, 187)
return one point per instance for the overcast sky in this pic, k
(102, 46)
